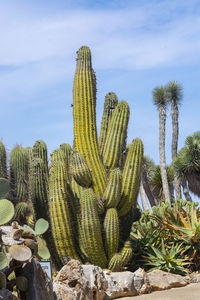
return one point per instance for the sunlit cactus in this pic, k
(116, 136)
(131, 177)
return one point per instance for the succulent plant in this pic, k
(6, 211)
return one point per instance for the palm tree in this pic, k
(174, 93)
(179, 166)
(187, 163)
(160, 101)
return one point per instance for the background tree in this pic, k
(160, 101)
(187, 164)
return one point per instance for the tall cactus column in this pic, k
(85, 132)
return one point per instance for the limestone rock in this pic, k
(141, 282)
(40, 286)
(7, 295)
(120, 284)
(160, 280)
(80, 282)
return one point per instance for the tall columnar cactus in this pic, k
(110, 103)
(91, 229)
(85, 132)
(90, 190)
(131, 177)
(39, 189)
(59, 208)
(3, 166)
(80, 170)
(40, 151)
(19, 174)
(116, 136)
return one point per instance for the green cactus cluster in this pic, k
(86, 192)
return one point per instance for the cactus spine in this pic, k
(110, 103)
(85, 132)
(131, 177)
(116, 136)
(3, 166)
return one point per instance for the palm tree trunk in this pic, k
(143, 197)
(186, 191)
(147, 188)
(162, 122)
(174, 146)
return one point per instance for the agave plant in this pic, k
(189, 232)
(168, 260)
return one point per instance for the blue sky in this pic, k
(136, 46)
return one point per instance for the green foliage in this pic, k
(167, 260)
(175, 227)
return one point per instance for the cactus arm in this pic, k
(91, 229)
(80, 170)
(111, 228)
(116, 136)
(110, 103)
(131, 177)
(112, 191)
